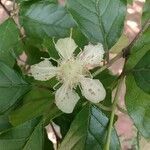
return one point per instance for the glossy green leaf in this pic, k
(141, 73)
(79, 38)
(100, 20)
(4, 122)
(34, 55)
(64, 122)
(88, 131)
(9, 41)
(107, 78)
(121, 43)
(140, 48)
(35, 141)
(12, 87)
(44, 19)
(138, 106)
(24, 137)
(38, 102)
(49, 46)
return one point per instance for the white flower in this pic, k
(71, 72)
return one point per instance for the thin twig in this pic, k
(126, 50)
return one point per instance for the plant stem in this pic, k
(110, 127)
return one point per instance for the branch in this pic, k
(6, 10)
(125, 51)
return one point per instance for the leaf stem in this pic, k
(110, 127)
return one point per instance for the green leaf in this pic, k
(4, 122)
(64, 121)
(107, 78)
(24, 137)
(121, 43)
(138, 104)
(12, 87)
(79, 38)
(50, 47)
(35, 141)
(141, 73)
(146, 12)
(35, 42)
(100, 20)
(9, 42)
(34, 55)
(88, 131)
(45, 19)
(140, 48)
(38, 102)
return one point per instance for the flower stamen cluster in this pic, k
(73, 71)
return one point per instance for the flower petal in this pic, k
(66, 47)
(66, 99)
(92, 89)
(92, 54)
(43, 71)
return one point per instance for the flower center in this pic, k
(70, 71)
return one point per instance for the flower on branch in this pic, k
(72, 72)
